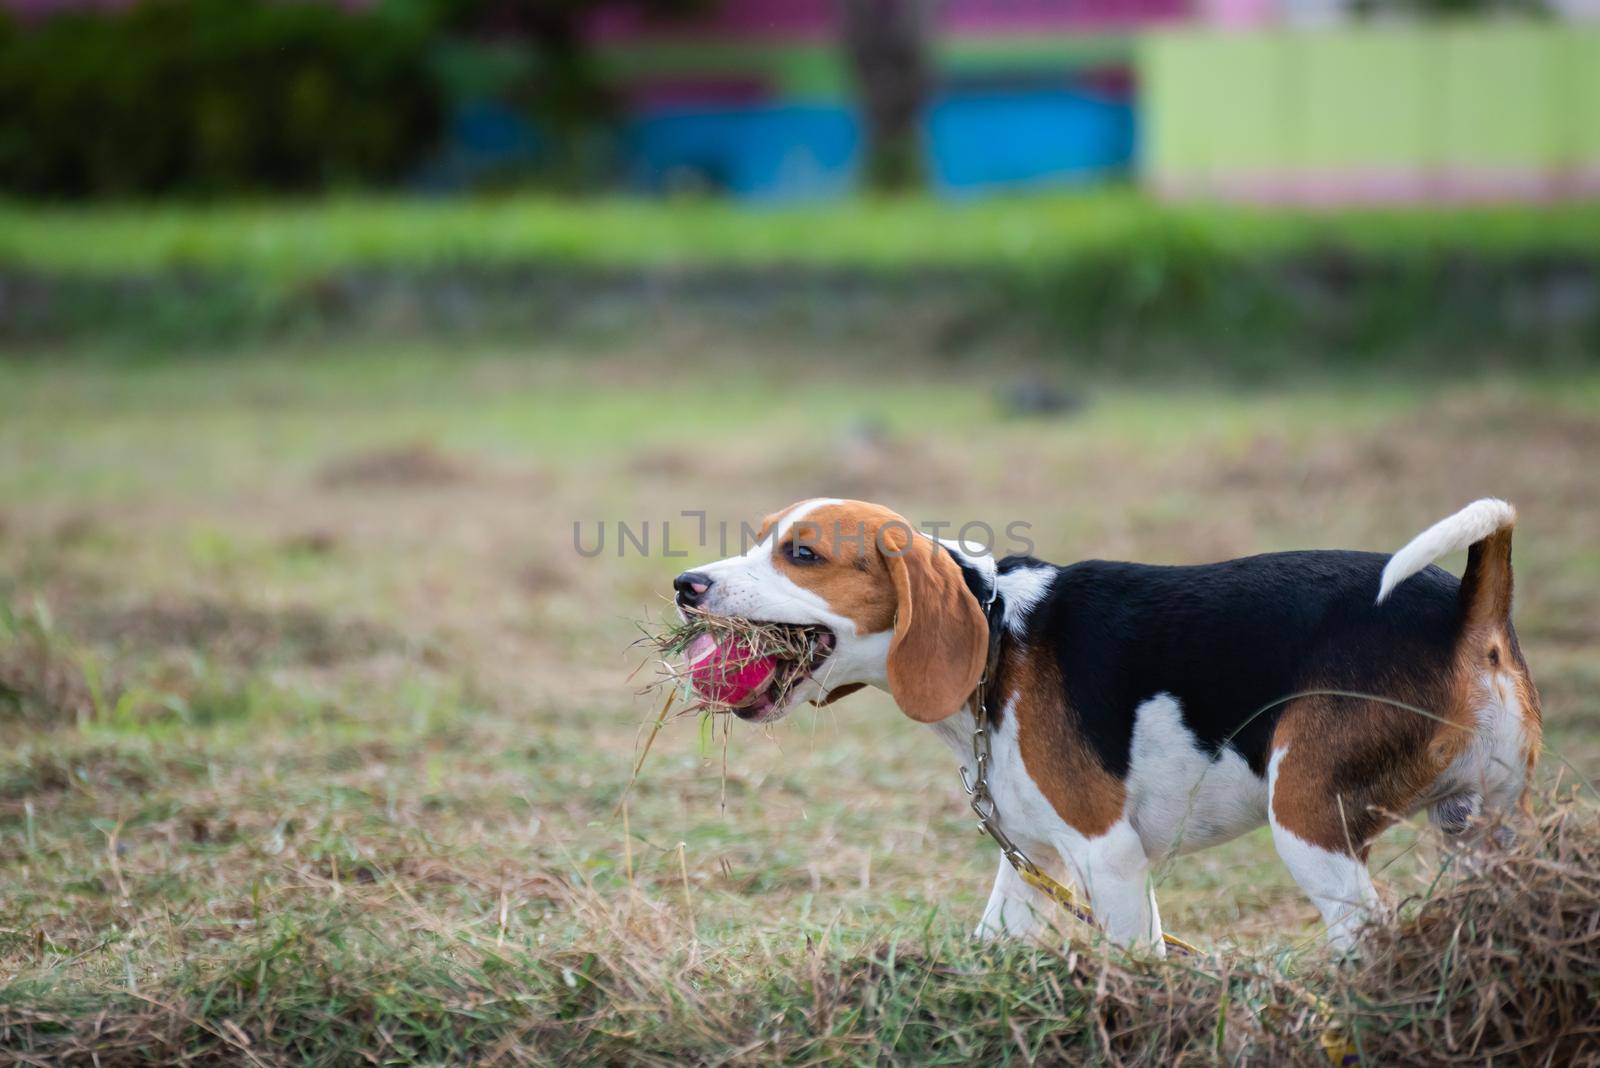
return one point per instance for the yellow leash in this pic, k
(1063, 896)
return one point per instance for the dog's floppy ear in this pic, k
(941, 638)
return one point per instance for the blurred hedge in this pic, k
(212, 96)
(1102, 274)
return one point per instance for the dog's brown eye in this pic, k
(798, 553)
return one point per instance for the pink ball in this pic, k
(730, 673)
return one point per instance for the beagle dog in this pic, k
(1137, 711)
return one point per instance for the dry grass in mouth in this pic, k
(796, 647)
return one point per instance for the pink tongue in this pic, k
(728, 674)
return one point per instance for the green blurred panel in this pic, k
(813, 70)
(1256, 93)
(1174, 127)
(1215, 103)
(1501, 99)
(1365, 97)
(1577, 51)
(983, 55)
(1488, 97)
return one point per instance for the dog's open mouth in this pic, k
(751, 668)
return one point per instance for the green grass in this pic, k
(1103, 280)
(313, 726)
(290, 239)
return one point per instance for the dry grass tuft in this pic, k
(41, 683)
(1504, 965)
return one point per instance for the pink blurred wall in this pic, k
(1014, 16)
(1239, 14)
(819, 19)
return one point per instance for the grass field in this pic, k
(314, 725)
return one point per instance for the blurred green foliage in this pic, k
(212, 96)
(534, 57)
(237, 96)
(1031, 233)
(1109, 277)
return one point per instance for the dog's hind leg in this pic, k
(1324, 851)
(1337, 882)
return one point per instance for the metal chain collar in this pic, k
(977, 787)
(976, 784)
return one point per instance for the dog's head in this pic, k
(900, 605)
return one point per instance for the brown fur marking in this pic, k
(853, 576)
(1354, 765)
(1058, 759)
(1351, 766)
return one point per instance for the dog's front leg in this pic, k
(1015, 909)
(1117, 872)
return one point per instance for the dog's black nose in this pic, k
(691, 587)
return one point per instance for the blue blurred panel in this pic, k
(486, 141)
(756, 152)
(981, 140)
(490, 130)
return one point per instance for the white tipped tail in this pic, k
(1472, 524)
